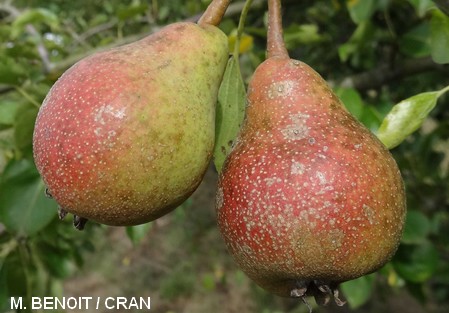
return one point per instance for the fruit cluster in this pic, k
(307, 198)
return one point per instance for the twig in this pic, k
(28, 97)
(233, 9)
(384, 74)
(98, 29)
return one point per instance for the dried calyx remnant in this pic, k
(78, 222)
(321, 291)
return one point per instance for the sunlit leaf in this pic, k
(230, 111)
(406, 117)
(295, 35)
(34, 16)
(24, 209)
(360, 10)
(439, 39)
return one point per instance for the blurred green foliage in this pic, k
(374, 53)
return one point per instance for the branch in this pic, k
(233, 9)
(69, 61)
(384, 74)
(98, 29)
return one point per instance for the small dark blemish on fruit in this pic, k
(164, 65)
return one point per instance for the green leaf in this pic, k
(11, 72)
(439, 39)
(24, 209)
(358, 291)
(8, 111)
(421, 6)
(295, 35)
(128, 12)
(416, 263)
(406, 117)
(208, 281)
(352, 101)
(3, 289)
(416, 42)
(361, 37)
(23, 128)
(360, 10)
(13, 273)
(371, 118)
(417, 227)
(34, 16)
(56, 261)
(230, 111)
(137, 233)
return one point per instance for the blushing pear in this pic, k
(126, 135)
(308, 197)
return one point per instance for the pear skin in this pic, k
(308, 197)
(307, 193)
(126, 135)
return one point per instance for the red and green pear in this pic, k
(126, 135)
(308, 197)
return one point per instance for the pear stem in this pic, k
(275, 40)
(214, 12)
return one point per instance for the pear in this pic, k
(126, 135)
(308, 197)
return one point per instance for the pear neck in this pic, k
(275, 40)
(214, 12)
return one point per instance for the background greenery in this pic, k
(374, 53)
